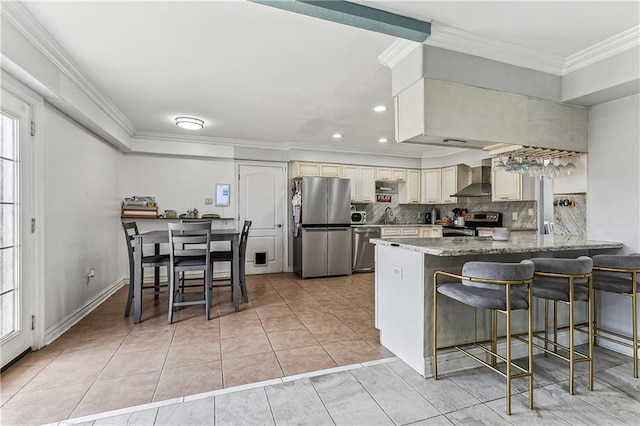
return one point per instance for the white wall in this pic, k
(178, 183)
(613, 200)
(80, 223)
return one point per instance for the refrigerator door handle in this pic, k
(338, 229)
(315, 229)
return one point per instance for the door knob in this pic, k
(279, 225)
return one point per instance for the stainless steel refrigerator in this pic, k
(321, 226)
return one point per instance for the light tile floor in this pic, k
(106, 362)
(197, 372)
(388, 392)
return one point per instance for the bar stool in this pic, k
(619, 274)
(498, 287)
(564, 281)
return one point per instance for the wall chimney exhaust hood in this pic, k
(436, 112)
(480, 183)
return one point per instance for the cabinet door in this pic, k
(353, 173)
(409, 191)
(307, 169)
(425, 232)
(432, 186)
(399, 175)
(506, 186)
(384, 173)
(449, 184)
(390, 232)
(436, 231)
(330, 170)
(412, 231)
(367, 185)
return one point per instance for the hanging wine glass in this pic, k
(525, 165)
(570, 169)
(510, 164)
(500, 166)
(536, 168)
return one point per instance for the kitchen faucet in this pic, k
(388, 214)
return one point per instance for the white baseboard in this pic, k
(63, 325)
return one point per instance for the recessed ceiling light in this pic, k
(383, 140)
(189, 123)
(454, 141)
(337, 136)
(379, 108)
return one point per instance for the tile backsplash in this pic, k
(414, 213)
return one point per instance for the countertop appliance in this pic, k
(358, 217)
(472, 221)
(321, 226)
(363, 254)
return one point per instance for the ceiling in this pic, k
(263, 76)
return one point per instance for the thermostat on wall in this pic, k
(222, 194)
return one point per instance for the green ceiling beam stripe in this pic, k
(356, 15)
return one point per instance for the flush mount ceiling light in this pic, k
(336, 136)
(455, 141)
(189, 123)
(383, 140)
(379, 108)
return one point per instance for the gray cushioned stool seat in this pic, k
(482, 297)
(553, 288)
(614, 282)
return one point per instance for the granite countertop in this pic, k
(462, 246)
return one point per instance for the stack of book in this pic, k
(139, 207)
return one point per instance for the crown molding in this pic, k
(605, 49)
(27, 25)
(395, 53)
(473, 44)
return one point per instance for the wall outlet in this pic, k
(530, 212)
(514, 216)
(208, 201)
(396, 271)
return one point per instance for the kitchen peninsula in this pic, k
(404, 291)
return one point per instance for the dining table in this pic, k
(162, 236)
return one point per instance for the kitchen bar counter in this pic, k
(404, 292)
(461, 246)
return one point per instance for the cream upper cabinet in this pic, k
(431, 186)
(505, 186)
(391, 174)
(301, 169)
(409, 191)
(363, 186)
(454, 178)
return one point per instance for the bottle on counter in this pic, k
(434, 215)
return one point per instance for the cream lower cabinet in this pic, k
(302, 169)
(430, 231)
(363, 185)
(409, 191)
(399, 232)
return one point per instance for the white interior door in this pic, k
(16, 335)
(262, 197)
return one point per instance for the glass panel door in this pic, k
(9, 213)
(16, 335)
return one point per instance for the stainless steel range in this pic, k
(472, 222)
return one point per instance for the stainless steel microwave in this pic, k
(358, 217)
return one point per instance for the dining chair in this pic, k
(497, 287)
(154, 261)
(189, 251)
(227, 256)
(183, 278)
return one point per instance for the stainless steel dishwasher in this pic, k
(363, 257)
